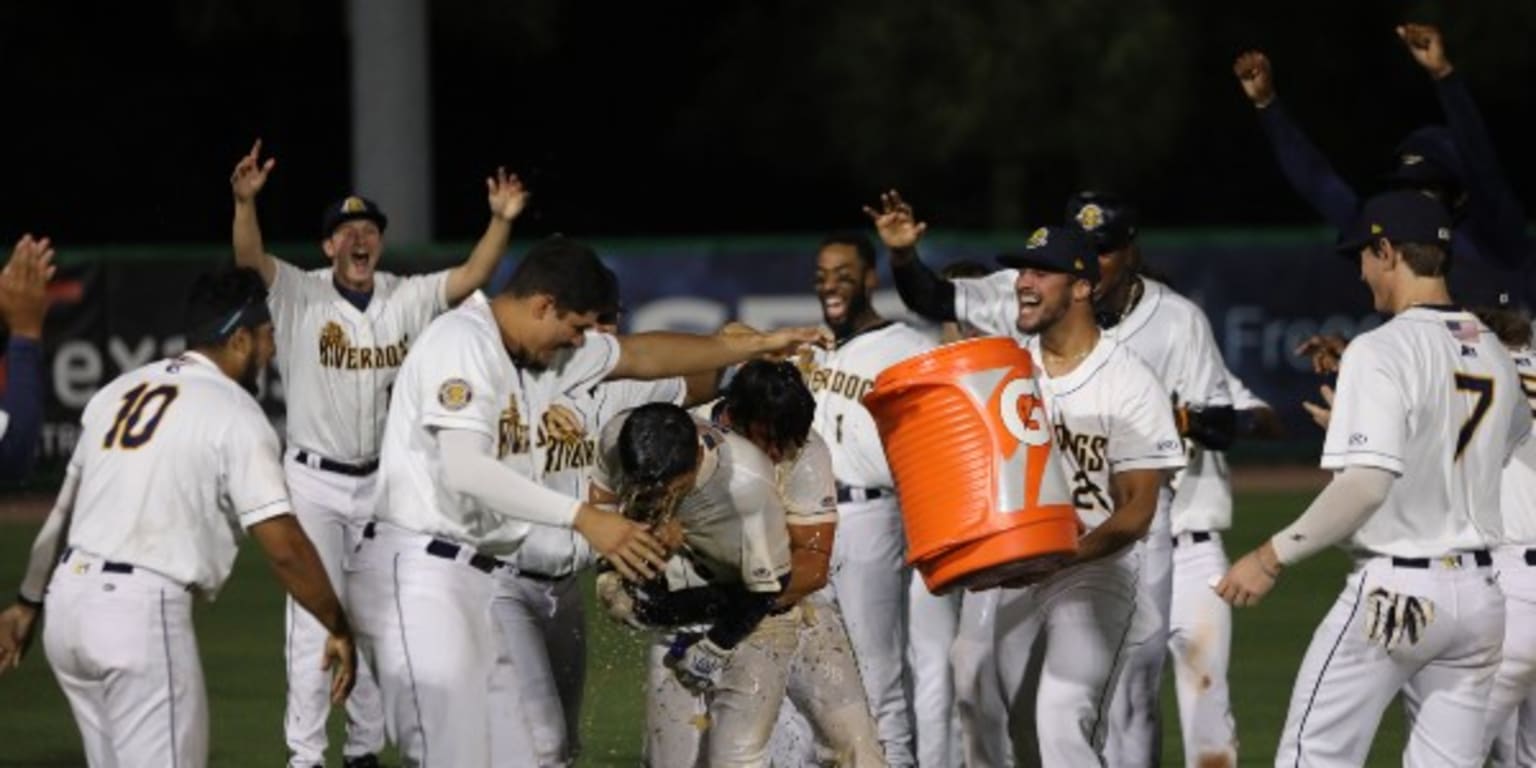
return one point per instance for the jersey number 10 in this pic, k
(131, 428)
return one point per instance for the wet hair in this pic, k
(657, 443)
(570, 273)
(773, 398)
(858, 241)
(223, 302)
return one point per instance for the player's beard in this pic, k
(857, 307)
(250, 374)
(1045, 315)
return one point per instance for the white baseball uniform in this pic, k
(1173, 337)
(338, 364)
(422, 583)
(1512, 706)
(1433, 398)
(538, 606)
(175, 463)
(734, 527)
(1200, 622)
(870, 578)
(1108, 415)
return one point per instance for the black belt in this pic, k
(847, 494)
(1195, 537)
(1530, 557)
(1479, 556)
(541, 577)
(107, 566)
(450, 551)
(353, 470)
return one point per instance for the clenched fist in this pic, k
(1254, 74)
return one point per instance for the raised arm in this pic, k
(920, 288)
(662, 354)
(1308, 171)
(23, 305)
(249, 177)
(507, 197)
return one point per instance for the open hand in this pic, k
(1325, 351)
(624, 543)
(506, 195)
(24, 286)
(340, 659)
(899, 229)
(16, 628)
(250, 174)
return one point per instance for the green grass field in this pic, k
(241, 638)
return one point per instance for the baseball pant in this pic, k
(1512, 706)
(1433, 633)
(825, 720)
(869, 579)
(425, 623)
(931, 626)
(123, 650)
(1200, 641)
(1075, 627)
(728, 727)
(332, 509)
(541, 666)
(1135, 734)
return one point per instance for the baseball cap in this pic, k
(349, 208)
(1057, 249)
(1427, 156)
(1107, 219)
(1400, 216)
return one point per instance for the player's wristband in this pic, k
(36, 605)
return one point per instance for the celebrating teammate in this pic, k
(23, 305)
(176, 459)
(1427, 413)
(342, 334)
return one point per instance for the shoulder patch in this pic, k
(454, 394)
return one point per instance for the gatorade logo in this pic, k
(1025, 467)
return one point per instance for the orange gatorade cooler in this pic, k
(982, 496)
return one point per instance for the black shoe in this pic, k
(361, 761)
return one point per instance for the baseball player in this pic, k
(23, 305)
(1200, 623)
(1117, 441)
(459, 488)
(870, 578)
(342, 334)
(1173, 337)
(719, 676)
(1427, 412)
(176, 460)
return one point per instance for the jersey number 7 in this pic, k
(131, 429)
(1483, 388)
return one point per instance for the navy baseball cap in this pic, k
(349, 208)
(1057, 249)
(1107, 219)
(1428, 156)
(1399, 216)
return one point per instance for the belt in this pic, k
(847, 494)
(450, 551)
(1195, 537)
(320, 462)
(540, 577)
(1530, 557)
(107, 566)
(1479, 556)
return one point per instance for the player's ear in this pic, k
(328, 247)
(871, 280)
(1082, 290)
(542, 305)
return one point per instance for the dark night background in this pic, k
(124, 119)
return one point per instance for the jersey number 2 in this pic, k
(131, 428)
(1483, 388)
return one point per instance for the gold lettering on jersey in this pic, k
(1088, 454)
(337, 351)
(847, 385)
(565, 452)
(512, 432)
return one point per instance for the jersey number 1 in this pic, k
(1483, 388)
(131, 428)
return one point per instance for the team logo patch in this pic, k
(1090, 217)
(454, 394)
(1357, 439)
(1038, 238)
(354, 204)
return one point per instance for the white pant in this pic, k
(932, 623)
(731, 725)
(541, 666)
(1075, 627)
(1200, 641)
(425, 622)
(1512, 706)
(1135, 733)
(825, 719)
(123, 650)
(1347, 679)
(869, 579)
(331, 508)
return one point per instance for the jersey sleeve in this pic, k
(1243, 398)
(425, 295)
(988, 304)
(456, 389)
(1369, 424)
(606, 472)
(1203, 375)
(809, 488)
(291, 291)
(764, 537)
(589, 363)
(253, 467)
(1142, 433)
(1520, 423)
